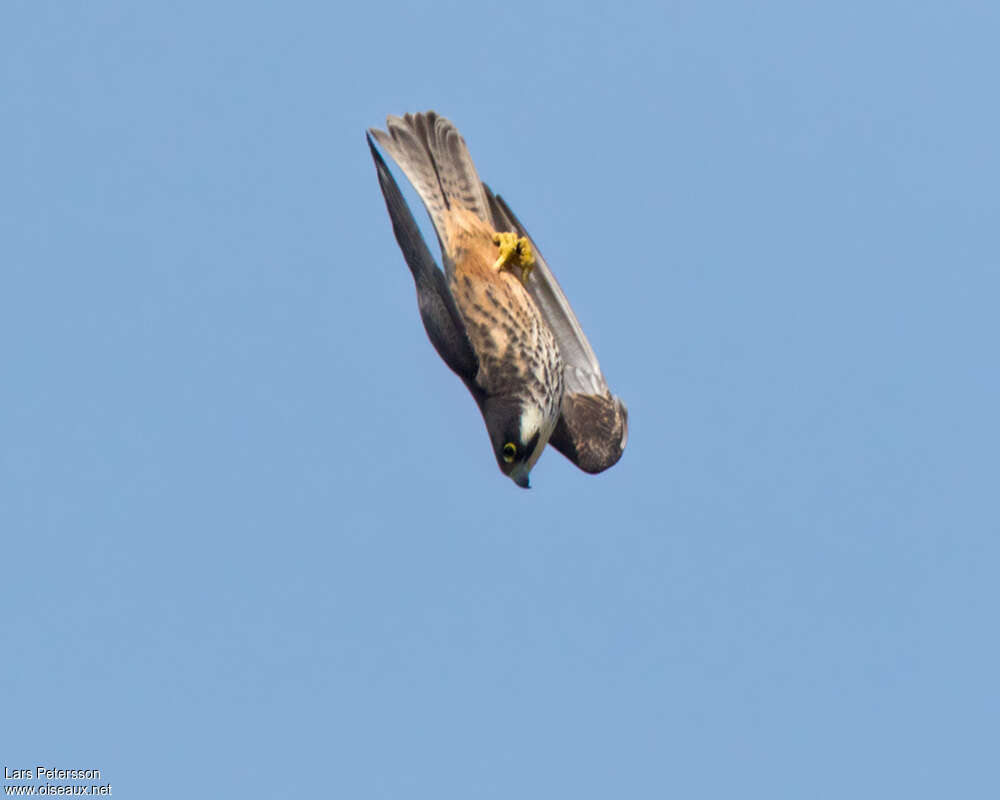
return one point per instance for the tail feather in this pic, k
(435, 159)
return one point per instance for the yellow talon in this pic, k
(527, 258)
(516, 252)
(508, 247)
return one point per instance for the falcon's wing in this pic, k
(593, 426)
(440, 316)
(435, 159)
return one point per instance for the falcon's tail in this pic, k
(433, 155)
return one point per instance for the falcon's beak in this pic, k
(521, 480)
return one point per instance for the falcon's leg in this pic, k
(514, 252)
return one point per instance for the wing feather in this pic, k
(435, 159)
(438, 311)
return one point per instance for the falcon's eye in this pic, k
(509, 451)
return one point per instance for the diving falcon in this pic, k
(497, 316)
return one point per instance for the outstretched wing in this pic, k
(438, 311)
(593, 426)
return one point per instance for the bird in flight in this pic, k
(497, 316)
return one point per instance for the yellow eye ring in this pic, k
(509, 451)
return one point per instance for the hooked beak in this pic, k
(521, 480)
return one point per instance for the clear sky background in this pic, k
(254, 542)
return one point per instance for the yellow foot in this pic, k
(514, 252)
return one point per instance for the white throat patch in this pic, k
(531, 422)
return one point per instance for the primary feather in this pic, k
(435, 159)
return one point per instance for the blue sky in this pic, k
(254, 540)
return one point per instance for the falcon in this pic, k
(496, 315)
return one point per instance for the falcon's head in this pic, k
(516, 426)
